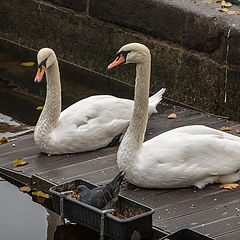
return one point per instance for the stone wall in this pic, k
(187, 40)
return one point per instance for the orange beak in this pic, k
(119, 60)
(39, 74)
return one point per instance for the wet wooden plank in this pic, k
(95, 166)
(214, 198)
(24, 147)
(224, 225)
(160, 123)
(42, 162)
(203, 220)
(230, 235)
(15, 175)
(158, 199)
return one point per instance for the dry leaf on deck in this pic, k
(39, 108)
(172, 116)
(238, 131)
(25, 189)
(3, 140)
(224, 128)
(28, 64)
(228, 185)
(222, 9)
(40, 194)
(233, 12)
(226, 4)
(19, 162)
(207, 1)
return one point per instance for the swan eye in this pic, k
(43, 63)
(124, 54)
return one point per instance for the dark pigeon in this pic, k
(99, 197)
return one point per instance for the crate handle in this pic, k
(103, 213)
(62, 196)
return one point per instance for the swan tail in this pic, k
(155, 99)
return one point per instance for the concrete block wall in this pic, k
(187, 40)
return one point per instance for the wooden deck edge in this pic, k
(13, 175)
(41, 183)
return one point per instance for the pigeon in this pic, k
(99, 197)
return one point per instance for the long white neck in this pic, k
(133, 139)
(52, 108)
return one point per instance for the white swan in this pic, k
(89, 124)
(186, 156)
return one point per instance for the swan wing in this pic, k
(188, 156)
(91, 123)
(96, 111)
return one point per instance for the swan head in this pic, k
(131, 53)
(45, 58)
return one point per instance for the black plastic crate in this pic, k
(186, 234)
(89, 216)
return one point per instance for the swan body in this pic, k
(88, 124)
(187, 156)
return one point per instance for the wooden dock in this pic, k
(212, 211)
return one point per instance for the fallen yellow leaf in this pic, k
(25, 189)
(224, 128)
(39, 108)
(40, 194)
(226, 4)
(172, 116)
(207, 1)
(19, 162)
(28, 64)
(228, 185)
(238, 131)
(222, 9)
(233, 12)
(3, 140)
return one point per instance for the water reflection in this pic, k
(11, 128)
(53, 221)
(20, 218)
(23, 219)
(74, 232)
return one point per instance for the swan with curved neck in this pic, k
(88, 124)
(187, 156)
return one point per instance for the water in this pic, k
(21, 218)
(10, 128)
